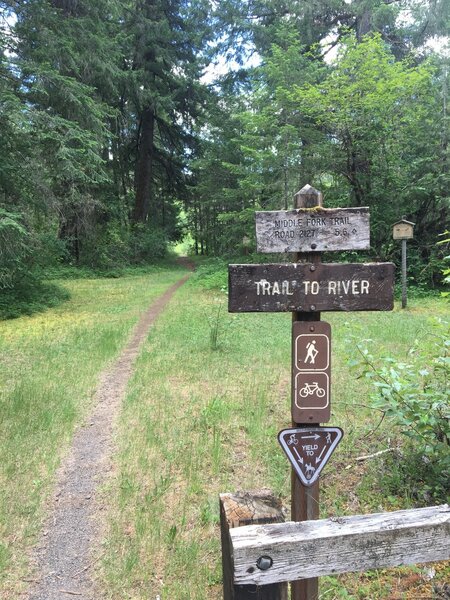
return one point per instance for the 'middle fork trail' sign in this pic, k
(302, 230)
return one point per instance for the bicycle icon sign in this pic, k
(309, 389)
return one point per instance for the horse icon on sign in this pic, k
(309, 471)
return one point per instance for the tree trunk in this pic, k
(144, 167)
(69, 234)
(364, 22)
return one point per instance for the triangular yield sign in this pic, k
(308, 449)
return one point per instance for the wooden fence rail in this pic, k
(339, 545)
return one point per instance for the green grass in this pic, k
(210, 392)
(202, 417)
(49, 366)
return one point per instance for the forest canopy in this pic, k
(119, 136)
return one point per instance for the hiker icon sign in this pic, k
(312, 352)
(311, 371)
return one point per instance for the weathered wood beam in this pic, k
(340, 545)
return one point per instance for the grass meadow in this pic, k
(208, 397)
(210, 392)
(49, 366)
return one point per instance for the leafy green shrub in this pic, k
(415, 290)
(414, 394)
(29, 296)
(48, 251)
(411, 474)
(211, 275)
(147, 245)
(108, 248)
(22, 291)
(14, 249)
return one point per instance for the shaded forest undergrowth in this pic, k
(44, 288)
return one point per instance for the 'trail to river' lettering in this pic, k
(332, 287)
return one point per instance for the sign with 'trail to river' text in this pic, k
(307, 287)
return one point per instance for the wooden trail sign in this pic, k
(403, 230)
(306, 287)
(311, 287)
(311, 371)
(312, 229)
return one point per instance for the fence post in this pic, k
(247, 508)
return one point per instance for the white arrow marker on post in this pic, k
(300, 459)
(310, 437)
(319, 458)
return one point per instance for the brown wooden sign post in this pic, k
(305, 500)
(305, 287)
(310, 287)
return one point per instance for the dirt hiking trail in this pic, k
(68, 550)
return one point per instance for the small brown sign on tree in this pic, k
(403, 230)
(311, 371)
(308, 450)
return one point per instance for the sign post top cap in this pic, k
(308, 197)
(308, 189)
(403, 221)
